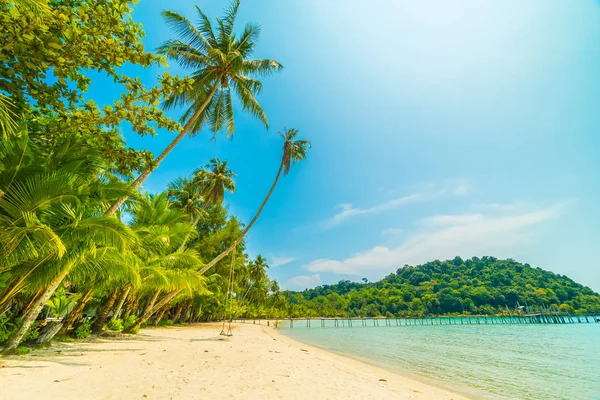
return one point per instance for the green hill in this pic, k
(475, 286)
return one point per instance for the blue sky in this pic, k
(438, 129)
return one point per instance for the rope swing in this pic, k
(228, 299)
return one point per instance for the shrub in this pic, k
(7, 328)
(128, 321)
(33, 332)
(166, 322)
(84, 330)
(115, 325)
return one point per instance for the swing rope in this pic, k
(229, 298)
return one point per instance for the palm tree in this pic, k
(209, 186)
(220, 63)
(214, 180)
(166, 271)
(293, 151)
(49, 222)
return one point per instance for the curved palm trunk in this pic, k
(37, 294)
(76, 313)
(187, 237)
(131, 305)
(34, 310)
(233, 246)
(151, 310)
(102, 316)
(121, 302)
(160, 315)
(140, 179)
(178, 312)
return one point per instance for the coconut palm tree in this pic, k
(293, 151)
(49, 221)
(220, 63)
(214, 181)
(166, 271)
(208, 188)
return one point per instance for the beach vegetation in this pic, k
(78, 240)
(485, 285)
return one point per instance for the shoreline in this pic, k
(384, 368)
(188, 362)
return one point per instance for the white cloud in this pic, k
(349, 211)
(392, 231)
(275, 261)
(427, 192)
(303, 282)
(444, 220)
(444, 237)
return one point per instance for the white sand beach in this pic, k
(194, 362)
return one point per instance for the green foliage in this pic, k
(220, 63)
(128, 321)
(45, 57)
(84, 330)
(33, 332)
(62, 302)
(475, 286)
(3, 279)
(165, 322)
(115, 325)
(6, 328)
(63, 162)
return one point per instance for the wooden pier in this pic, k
(533, 318)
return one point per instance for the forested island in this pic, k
(484, 285)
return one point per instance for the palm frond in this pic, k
(249, 102)
(205, 27)
(185, 31)
(184, 54)
(8, 119)
(262, 67)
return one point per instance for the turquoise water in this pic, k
(516, 361)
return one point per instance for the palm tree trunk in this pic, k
(103, 312)
(35, 296)
(151, 310)
(32, 313)
(160, 315)
(140, 179)
(121, 302)
(187, 314)
(187, 237)
(178, 311)
(130, 306)
(151, 303)
(233, 246)
(77, 311)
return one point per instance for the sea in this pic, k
(482, 360)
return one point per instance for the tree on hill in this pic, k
(484, 285)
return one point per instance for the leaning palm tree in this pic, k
(293, 151)
(210, 184)
(220, 64)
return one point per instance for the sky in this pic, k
(438, 129)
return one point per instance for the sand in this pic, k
(194, 362)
